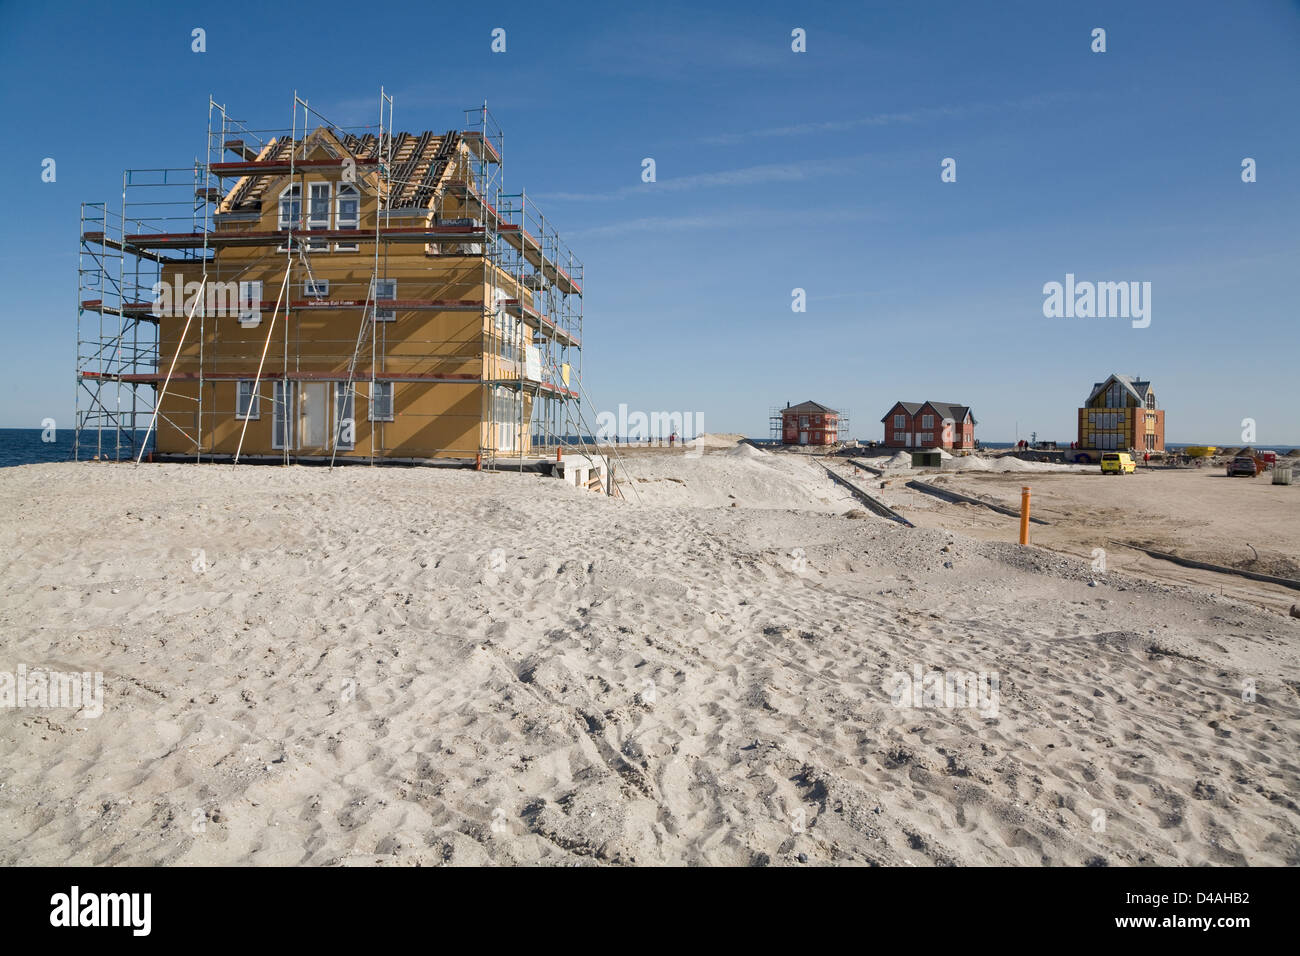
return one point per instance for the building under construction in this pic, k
(322, 293)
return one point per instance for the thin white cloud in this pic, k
(922, 115)
(730, 219)
(651, 224)
(742, 176)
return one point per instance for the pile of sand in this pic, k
(1008, 463)
(715, 440)
(745, 450)
(742, 476)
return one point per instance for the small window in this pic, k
(246, 403)
(927, 421)
(290, 210)
(318, 212)
(281, 431)
(290, 206)
(381, 402)
(385, 291)
(347, 214)
(316, 289)
(900, 422)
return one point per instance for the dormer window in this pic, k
(290, 210)
(290, 207)
(347, 214)
(318, 212)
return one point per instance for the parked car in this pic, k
(1118, 463)
(1242, 465)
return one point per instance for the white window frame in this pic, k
(282, 399)
(285, 199)
(315, 288)
(927, 421)
(254, 412)
(380, 388)
(900, 423)
(382, 294)
(344, 401)
(352, 222)
(314, 223)
(288, 195)
(506, 412)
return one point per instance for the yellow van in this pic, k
(1118, 462)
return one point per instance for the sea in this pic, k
(34, 446)
(28, 446)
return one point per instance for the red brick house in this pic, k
(929, 425)
(809, 423)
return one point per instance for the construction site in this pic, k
(328, 294)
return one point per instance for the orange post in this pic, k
(478, 462)
(559, 453)
(1024, 514)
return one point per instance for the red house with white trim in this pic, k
(929, 425)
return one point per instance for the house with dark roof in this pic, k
(809, 423)
(929, 425)
(421, 312)
(1121, 414)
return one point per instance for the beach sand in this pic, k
(418, 666)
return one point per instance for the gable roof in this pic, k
(951, 410)
(808, 408)
(421, 164)
(910, 407)
(1137, 388)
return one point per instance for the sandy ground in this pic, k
(416, 666)
(1200, 514)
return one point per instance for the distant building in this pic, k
(809, 423)
(929, 425)
(1121, 413)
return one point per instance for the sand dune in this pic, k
(403, 666)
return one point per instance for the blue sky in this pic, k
(775, 170)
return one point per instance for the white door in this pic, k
(315, 414)
(803, 438)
